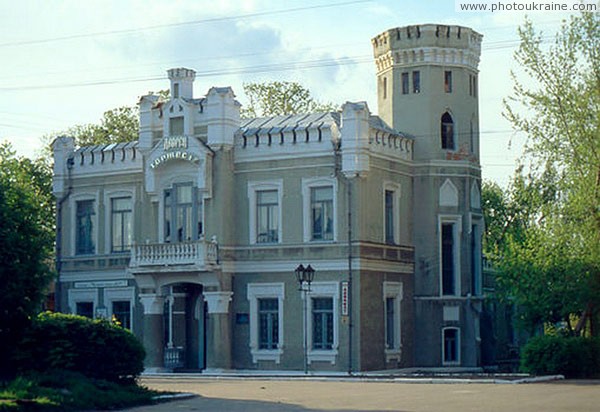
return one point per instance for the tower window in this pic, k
(384, 91)
(448, 255)
(451, 354)
(404, 83)
(448, 81)
(447, 131)
(416, 81)
(175, 90)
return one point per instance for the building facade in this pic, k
(190, 235)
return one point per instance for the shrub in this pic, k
(94, 348)
(574, 357)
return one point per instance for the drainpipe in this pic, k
(350, 325)
(58, 258)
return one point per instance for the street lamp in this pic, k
(305, 276)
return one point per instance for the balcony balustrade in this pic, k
(200, 253)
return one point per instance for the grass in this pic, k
(68, 391)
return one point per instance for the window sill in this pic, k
(393, 355)
(273, 355)
(328, 355)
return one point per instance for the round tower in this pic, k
(427, 87)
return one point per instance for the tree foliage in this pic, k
(549, 257)
(280, 98)
(26, 242)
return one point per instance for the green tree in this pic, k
(26, 240)
(280, 98)
(550, 266)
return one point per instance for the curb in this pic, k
(358, 378)
(174, 396)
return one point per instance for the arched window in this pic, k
(447, 132)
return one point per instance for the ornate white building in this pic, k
(190, 235)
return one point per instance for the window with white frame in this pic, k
(265, 209)
(451, 346)
(183, 213)
(83, 302)
(449, 241)
(121, 221)
(323, 322)
(392, 303)
(320, 207)
(120, 302)
(391, 213)
(266, 321)
(85, 227)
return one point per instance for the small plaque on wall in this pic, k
(242, 318)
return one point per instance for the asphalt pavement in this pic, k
(296, 394)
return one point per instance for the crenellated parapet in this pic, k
(114, 157)
(427, 44)
(289, 135)
(391, 144)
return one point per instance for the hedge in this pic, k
(574, 357)
(94, 348)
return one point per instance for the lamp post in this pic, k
(305, 276)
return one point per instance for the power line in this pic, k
(185, 23)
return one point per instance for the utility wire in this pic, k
(185, 23)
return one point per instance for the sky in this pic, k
(64, 63)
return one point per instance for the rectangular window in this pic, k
(321, 205)
(385, 87)
(448, 275)
(475, 260)
(84, 238)
(267, 216)
(121, 224)
(389, 217)
(390, 333)
(268, 328)
(322, 323)
(183, 213)
(416, 75)
(121, 311)
(448, 81)
(176, 126)
(404, 83)
(176, 90)
(451, 341)
(85, 309)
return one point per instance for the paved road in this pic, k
(301, 395)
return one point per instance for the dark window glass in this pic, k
(268, 323)
(448, 275)
(389, 216)
(122, 313)
(267, 216)
(389, 323)
(322, 323)
(450, 345)
(404, 83)
(85, 227)
(121, 224)
(447, 131)
(448, 81)
(85, 309)
(416, 81)
(183, 213)
(322, 213)
(385, 87)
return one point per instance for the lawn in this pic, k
(69, 391)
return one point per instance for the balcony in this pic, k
(198, 253)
